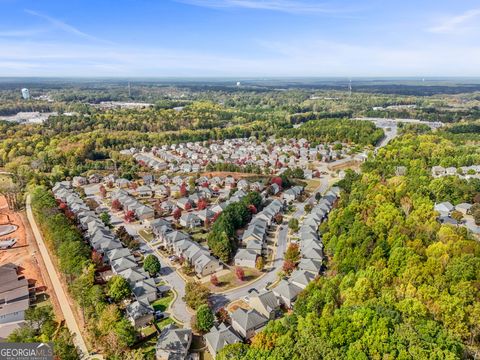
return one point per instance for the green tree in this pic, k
(293, 224)
(118, 288)
(151, 264)
(204, 318)
(196, 295)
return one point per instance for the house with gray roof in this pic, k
(311, 265)
(246, 258)
(145, 288)
(219, 337)
(287, 293)
(247, 322)
(173, 343)
(140, 313)
(302, 278)
(266, 303)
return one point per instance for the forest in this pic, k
(398, 285)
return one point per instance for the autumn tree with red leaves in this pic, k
(177, 214)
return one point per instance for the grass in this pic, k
(199, 237)
(229, 281)
(163, 303)
(147, 236)
(312, 184)
(164, 323)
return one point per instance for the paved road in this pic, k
(67, 311)
(322, 188)
(219, 300)
(170, 275)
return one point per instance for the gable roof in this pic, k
(248, 319)
(220, 336)
(174, 341)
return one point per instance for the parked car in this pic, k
(160, 315)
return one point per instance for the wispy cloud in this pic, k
(287, 6)
(21, 33)
(456, 24)
(64, 26)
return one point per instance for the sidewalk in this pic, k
(57, 286)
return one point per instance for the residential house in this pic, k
(190, 220)
(14, 300)
(287, 293)
(246, 258)
(140, 313)
(173, 343)
(247, 322)
(219, 337)
(266, 303)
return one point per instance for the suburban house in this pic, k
(219, 337)
(247, 322)
(14, 300)
(190, 220)
(287, 293)
(173, 343)
(140, 313)
(145, 288)
(246, 258)
(292, 193)
(311, 265)
(302, 278)
(266, 303)
(444, 208)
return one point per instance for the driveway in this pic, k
(221, 300)
(171, 277)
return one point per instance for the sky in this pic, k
(239, 38)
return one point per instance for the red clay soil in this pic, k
(25, 254)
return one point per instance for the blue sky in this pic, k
(239, 38)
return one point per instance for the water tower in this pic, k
(25, 93)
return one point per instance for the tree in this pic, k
(240, 273)
(308, 208)
(106, 219)
(151, 265)
(177, 214)
(318, 196)
(214, 280)
(204, 318)
(196, 295)
(457, 215)
(126, 332)
(278, 218)
(118, 288)
(103, 191)
(252, 209)
(188, 206)
(293, 224)
(293, 253)
(260, 263)
(223, 316)
(183, 190)
(116, 205)
(129, 216)
(288, 266)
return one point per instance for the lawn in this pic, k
(312, 184)
(147, 236)
(229, 281)
(162, 303)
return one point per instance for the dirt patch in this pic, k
(25, 254)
